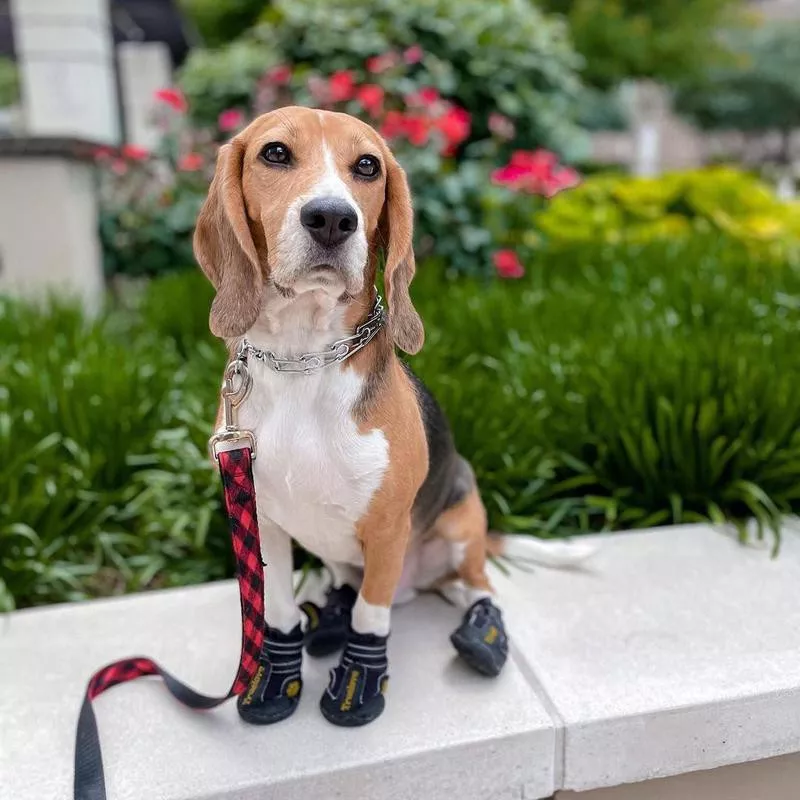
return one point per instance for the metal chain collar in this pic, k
(339, 351)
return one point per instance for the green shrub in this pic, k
(106, 484)
(617, 208)
(9, 83)
(501, 56)
(614, 387)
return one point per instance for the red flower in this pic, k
(535, 172)
(173, 98)
(413, 55)
(118, 166)
(507, 264)
(279, 75)
(191, 162)
(230, 120)
(416, 130)
(370, 96)
(135, 153)
(454, 125)
(393, 125)
(381, 63)
(342, 85)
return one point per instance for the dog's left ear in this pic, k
(397, 228)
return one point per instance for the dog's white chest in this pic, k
(315, 472)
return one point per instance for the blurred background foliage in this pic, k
(9, 83)
(618, 355)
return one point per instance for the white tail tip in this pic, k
(549, 553)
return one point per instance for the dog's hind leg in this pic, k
(481, 638)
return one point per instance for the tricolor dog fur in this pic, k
(355, 461)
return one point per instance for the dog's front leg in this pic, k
(274, 692)
(355, 694)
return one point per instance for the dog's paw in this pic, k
(481, 638)
(328, 626)
(355, 694)
(274, 692)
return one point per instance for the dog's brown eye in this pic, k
(367, 167)
(276, 153)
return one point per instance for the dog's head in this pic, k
(301, 200)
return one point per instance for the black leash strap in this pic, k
(236, 468)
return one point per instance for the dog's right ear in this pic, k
(225, 250)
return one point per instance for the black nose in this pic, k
(329, 220)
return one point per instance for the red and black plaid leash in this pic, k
(236, 468)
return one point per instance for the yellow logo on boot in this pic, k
(352, 684)
(248, 698)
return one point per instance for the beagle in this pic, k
(355, 460)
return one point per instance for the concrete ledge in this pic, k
(673, 651)
(446, 732)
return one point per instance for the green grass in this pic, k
(611, 389)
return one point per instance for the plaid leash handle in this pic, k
(236, 469)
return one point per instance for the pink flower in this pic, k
(424, 98)
(507, 264)
(173, 98)
(320, 89)
(191, 162)
(342, 85)
(370, 96)
(279, 75)
(102, 153)
(230, 120)
(381, 63)
(535, 172)
(135, 153)
(413, 55)
(119, 167)
(501, 126)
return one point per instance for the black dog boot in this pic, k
(481, 638)
(355, 693)
(328, 626)
(274, 691)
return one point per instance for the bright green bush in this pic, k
(613, 387)
(620, 208)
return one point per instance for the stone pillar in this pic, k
(48, 221)
(648, 104)
(65, 51)
(48, 205)
(144, 68)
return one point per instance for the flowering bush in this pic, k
(151, 199)
(501, 56)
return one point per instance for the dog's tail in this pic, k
(556, 553)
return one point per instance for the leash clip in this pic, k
(234, 392)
